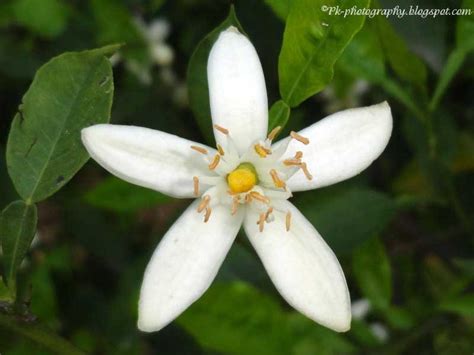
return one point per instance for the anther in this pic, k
(298, 155)
(259, 197)
(196, 185)
(299, 138)
(204, 203)
(199, 149)
(221, 129)
(288, 221)
(261, 222)
(276, 179)
(220, 150)
(292, 162)
(268, 213)
(274, 132)
(304, 167)
(207, 214)
(215, 162)
(261, 150)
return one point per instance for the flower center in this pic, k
(243, 178)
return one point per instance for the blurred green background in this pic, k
(402, 230)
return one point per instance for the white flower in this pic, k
(246, 181)
(360, 308)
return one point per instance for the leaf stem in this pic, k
(41, 336)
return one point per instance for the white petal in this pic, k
(303, 268)
(341, 145)
(237, 92)
(184, 264)
(146, 157)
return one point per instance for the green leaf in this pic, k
(235, 318)
(464, 44)
(462, 305)
(450, 69)
(364, 56)
(312, 42)
(119, 196)
(17, 229)
(347, 216)
(115, 24)
(465, 28)
(69, 93)
(280, 7)
(47, 18)
(372, 271)
(278, 115)
(404, 63)
(198, 88)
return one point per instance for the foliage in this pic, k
(75, 241)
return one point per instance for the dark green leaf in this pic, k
(279, 7)
(116, 25)
(17, 229)
(235, 318)
(404, 63)
(450, 69)
(346, 216)
(313, 41)
(117, 195)
(373, 273)
(70, 92)
(198, 89)
(399, 318)
(47, 18)
(279, 115)
(364, 57)
(462, 305)
(465, 28)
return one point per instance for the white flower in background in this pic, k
(379, 331)
(246, 181)
(155, 35)
(360, 308)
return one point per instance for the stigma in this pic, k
(242, 179)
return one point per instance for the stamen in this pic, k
(304, 167)
(276, 180)
(248, 198)
(215, 161)
(292, 162)
(196, 185)
(221, 129)
(199, 149)
(235, 205)
(267, 214)
(299, 155)
(220, 150)
(299, 138)
(261, 150)
(258, 197)
(288, 221)
(208, 214)
(274, 132)
(261, 222)
(204, 203)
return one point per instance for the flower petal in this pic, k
(184, 264)
(146, 157)
(302, 266)
(341, 145)
(237, 92)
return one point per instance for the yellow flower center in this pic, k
(242, 179)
